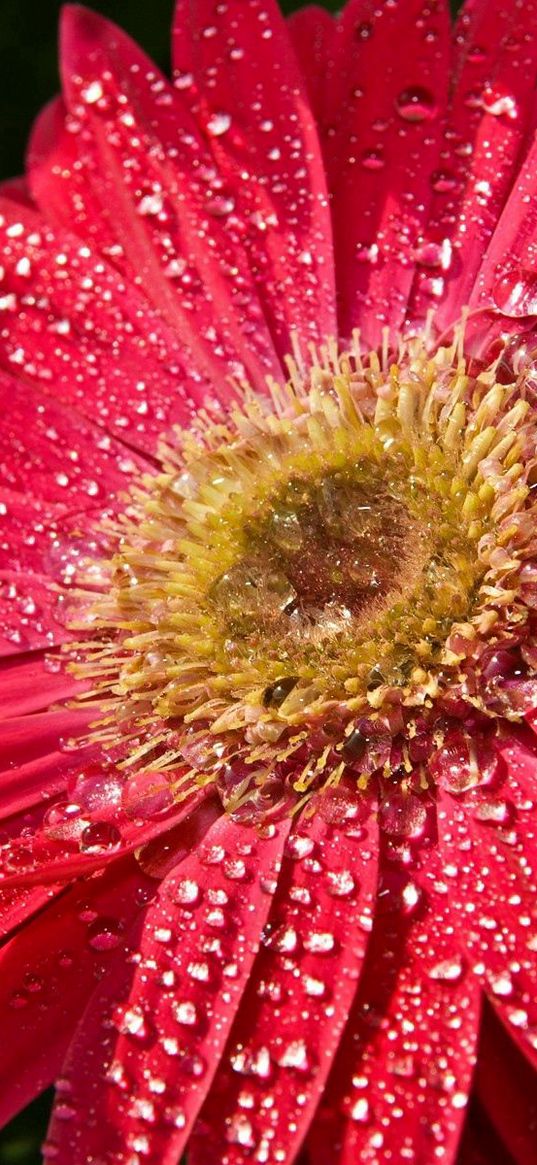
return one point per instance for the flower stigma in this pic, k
(330, 585)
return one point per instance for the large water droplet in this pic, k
(403, 815)
(416, 104)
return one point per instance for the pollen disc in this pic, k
(329, 569)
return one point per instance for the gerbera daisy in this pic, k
(269, 581)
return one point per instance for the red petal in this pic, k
(23, 738)
(246, 91)
(492, 901)
(17, 190)
(386, 110)
(507, 1087)
(401, 1080)
(295, 1009)
(72, 326)
(313, 32)
(197, 948)
(29, 612)
(48, 972)
(32, 683)
(72, 465)
(506, 284)
(480, 1144)
(60, 839)
(492, 107)
(146, 170)
(17, 906)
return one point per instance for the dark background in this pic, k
(28, 78)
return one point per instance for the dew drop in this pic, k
(218, 124)
(186, 893)
(185, 1013)
(99, 837)
(104, 934)
(340, 883)
(416, 104)
(403, 815)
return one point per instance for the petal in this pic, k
(235, 66)
(506, 283)
(31, 683)
(70, 462)
(480, 1144)
(70, 324)
(50, 969)
(507, 1088)
(313, 32)
(23, 738)
(492, 901)
(28, 602)
(197, 948)
(401, 1080)
(386, 111)
(150, 200)
(17, 189)
(491, 110)
(18, 905)
(293, 1014)
(99, 815)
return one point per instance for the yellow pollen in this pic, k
(302, 582)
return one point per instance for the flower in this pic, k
(268, 601)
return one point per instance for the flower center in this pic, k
(328, 570)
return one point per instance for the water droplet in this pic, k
(295, 1055)
(416, 104)
(218, 124)
(449, 970)
(403, 815)
(186, 1013)
(298, 846)
(131, 1021)
(340, 883)
(240, 1131)
(186, 893)
(320, 942)
(99, 837)
(104, 934)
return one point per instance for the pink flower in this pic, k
(268, 592)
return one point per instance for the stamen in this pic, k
(307, 590)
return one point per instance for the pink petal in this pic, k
(49, 971)
(171, 1023)
(293, 1014)
(23, 738)
(242, 82)
(71, 463)
(143, 187)
(313, 33)
(28, 606)
(19, 904)
(492, 901)
(70, 324)
(480, 1144)
(31, 683)
(400, 1083)
(492, 108)
(507, 1088)
(506, 284)
(17, 189)
(386, 107)
(97, 816)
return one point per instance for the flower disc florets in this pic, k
(317, 588)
